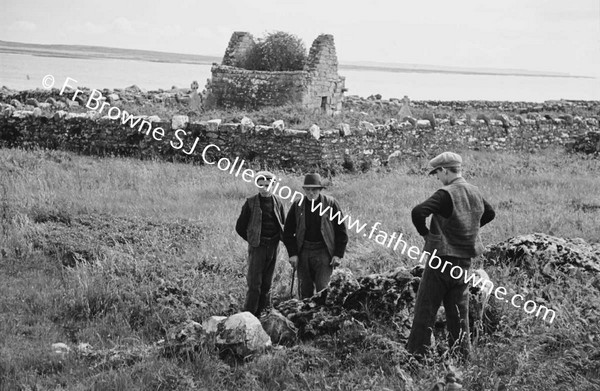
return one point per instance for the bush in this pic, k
(278, 51)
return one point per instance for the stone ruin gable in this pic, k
(325, 87)
(239, 44)
(318, 86)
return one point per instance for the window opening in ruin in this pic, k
(324, 104)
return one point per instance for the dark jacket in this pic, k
(249, 222)
(454, 229)
(334, 234)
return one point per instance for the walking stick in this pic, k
(293, 278)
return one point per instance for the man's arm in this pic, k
(340, 232)
(241, 226)
(488, 214)
(289, 232)
(439, 203)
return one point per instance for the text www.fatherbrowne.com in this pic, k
(95, 102)
(530, 307)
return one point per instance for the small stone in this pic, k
(213, 125)
(278, 126)
(315, 131)
(179, 122)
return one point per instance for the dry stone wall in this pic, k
(264, 146)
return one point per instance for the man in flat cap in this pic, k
(315, 242)
(261, 224)
(452, 239)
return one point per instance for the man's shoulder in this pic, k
(329, 200)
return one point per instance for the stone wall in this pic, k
(249, 90)
(271, 147)
(318, 86)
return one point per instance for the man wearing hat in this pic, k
(458, 211)
(314, 242)
(261, 224)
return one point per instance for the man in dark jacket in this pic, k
(314, 237)
(458, 210)
(261, 224)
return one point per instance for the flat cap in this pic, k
(266, 175)
(445, 159)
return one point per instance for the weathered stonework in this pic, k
(317, 86)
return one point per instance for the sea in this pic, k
(23, 71)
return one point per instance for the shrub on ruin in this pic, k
(278, 51)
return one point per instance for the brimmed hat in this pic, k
(445, 159)
(267, 175)
(313, 181)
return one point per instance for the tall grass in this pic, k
(149, 245)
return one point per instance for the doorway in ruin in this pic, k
(324, 104)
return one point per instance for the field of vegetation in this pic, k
(118, 253)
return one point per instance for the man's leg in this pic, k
(267, 277)
(256, 261)
(305, 281)
(429, 297)
(456, 304)
(320, 264)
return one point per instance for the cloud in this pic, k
(22, 26)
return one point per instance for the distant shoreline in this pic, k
(99, 52)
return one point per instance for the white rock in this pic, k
(153, 118)
(423, 123)
(179, 122)
(243, 334)
(113, 97)
(315, 131)
(278, 125)
(247, 125)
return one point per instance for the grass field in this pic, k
(118, 253)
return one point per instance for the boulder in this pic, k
(243, 335)
(281, 330)
(344, 129)
(278, 126)
(315, 131)
(247, 124)
(179, 122)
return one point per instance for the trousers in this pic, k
(261, 265)
(439, 287)
(314, 269)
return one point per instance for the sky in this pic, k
(539, 35)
